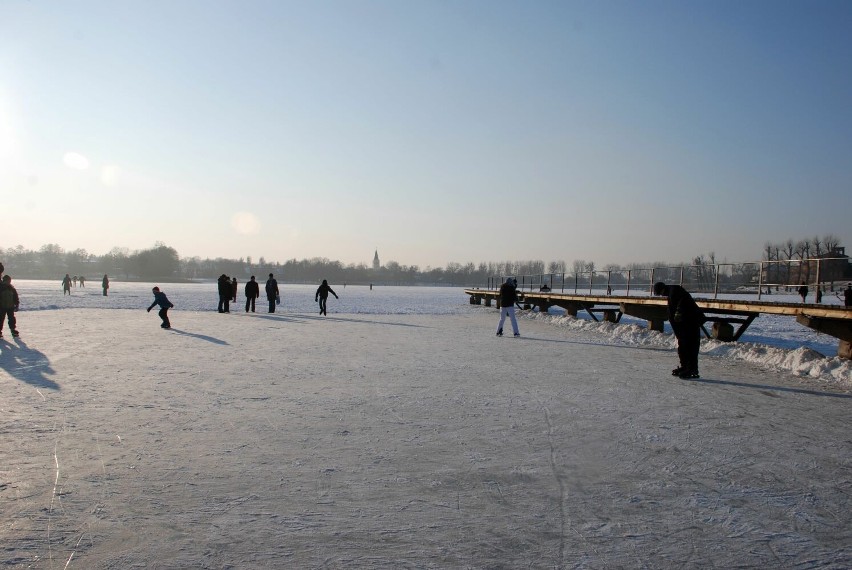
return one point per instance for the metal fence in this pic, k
(758, 278)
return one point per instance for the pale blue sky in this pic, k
(434, 131)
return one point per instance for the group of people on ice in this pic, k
(227, 288)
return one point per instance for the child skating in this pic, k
(164, 303)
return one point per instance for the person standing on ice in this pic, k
(686, 319)
(252, 293)
(105, 284)
(164, 303)
(234, 289)
(66, 285)
(9, 303)
(508, 298)
(803, 291)
(272, 292)
(225, 294)
(322, 296)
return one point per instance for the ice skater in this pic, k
(508, 298)
(686, 319)
(322, 296)
(9, 303)
(105, 285)
(164, 303)
(66, 285)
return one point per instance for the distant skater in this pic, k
(508, 298)
(234, 289)
(82, 281)
(252, 293)
(224, 285)
(164, 303)
(847, 295)
(9, 303)
(818, 294)
(272, 293)
(66, 285)
(105, 284)
(803, 291)
(74, 279)
(322, 296)
(686, 319)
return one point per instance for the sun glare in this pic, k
(245, 223)
(76, 161)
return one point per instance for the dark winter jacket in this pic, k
(8, 297)
(271, 289)
(508, 294)
(252, 290)
(682, 308)
(323, 291)
(225, 287)
(161, 299)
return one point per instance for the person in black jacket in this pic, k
(252, 293)
(686, 319)
(225, 294)
(272, 292)
(508, 298)
(322, 296)
(161, 299)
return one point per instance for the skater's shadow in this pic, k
(589, 343)
(772, 388)
(214, 340)
(364, 321)
(26, 364)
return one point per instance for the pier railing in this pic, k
(758, 278)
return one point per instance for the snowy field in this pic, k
(399, 432)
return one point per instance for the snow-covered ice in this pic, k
(399, 432)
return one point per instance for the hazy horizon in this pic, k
(432, 132)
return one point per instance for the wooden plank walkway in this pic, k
(833, 320)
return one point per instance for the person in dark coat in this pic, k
(322, 296)
(508, 298)
(272, 292)
(225, 294)
(234, 289)
(803, 291)
(9, 303)
(105, 284)
(686, 319)
(164, 303)
(847, 296)
(66, 285)
(252, 293)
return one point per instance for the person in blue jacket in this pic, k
(164, 303)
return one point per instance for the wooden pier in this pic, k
(729, 318)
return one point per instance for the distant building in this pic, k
(834, 265)
(376, 263)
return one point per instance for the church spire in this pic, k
(376, 264)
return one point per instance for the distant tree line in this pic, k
(162, 263)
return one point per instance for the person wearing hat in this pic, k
(9, 303)
(686, 319)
